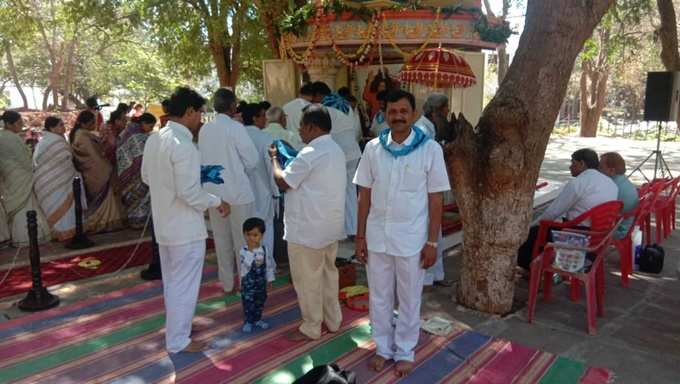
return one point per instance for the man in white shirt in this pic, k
(434, 121)
(293, 110)
(261, 178)
(224, 144)
(314, 221)
(276, 125)
(171, 168)
(379, 123)
(401, 177)
(588, 189)
(344, 132)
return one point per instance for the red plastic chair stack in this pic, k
(603, 222)
(625, 245)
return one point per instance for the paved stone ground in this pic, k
(638, 338)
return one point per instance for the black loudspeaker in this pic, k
(662, 96)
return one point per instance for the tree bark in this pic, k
(503, 59)
(68, 79)
(593, 97)
(13, 73)
(668, 34)
(46, 96)
(494, 166)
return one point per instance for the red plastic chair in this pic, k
(674, 202)
(654, 189)
(625, 245)
(662, 209)
(671, 206)
(603, 222)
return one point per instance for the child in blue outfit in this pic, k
(257, 272)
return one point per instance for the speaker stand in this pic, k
(660, 165)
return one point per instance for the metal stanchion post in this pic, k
(80, 240)
(37, 298)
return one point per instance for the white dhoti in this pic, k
(181, 266)
(436, 272)
(228, 237)
(351, 203)
(384, 273)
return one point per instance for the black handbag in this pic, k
(651, 259)
(327, 374)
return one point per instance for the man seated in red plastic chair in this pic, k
(589, 188)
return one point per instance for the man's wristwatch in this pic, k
(432, 244)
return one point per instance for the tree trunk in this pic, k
(593, 97)
(503, 62)
(221, 57)
(68, 79)
(13, 73)
(668, 34)
(46, 96)
(494, 166)
(503, 58)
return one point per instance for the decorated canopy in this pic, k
(438, 68)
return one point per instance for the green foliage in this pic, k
(495, 33)
(295, 22)
(179, 35)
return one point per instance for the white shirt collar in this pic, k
(409, 139)
(320, 139)
(180, 129)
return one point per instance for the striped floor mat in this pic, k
(118, 338)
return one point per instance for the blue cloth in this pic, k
(629, 195)
(380, 117)
(407, 148)
(254, 292)
(212, 174)
(338, 102)
(285, 153)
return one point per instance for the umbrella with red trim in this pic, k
(438, 68)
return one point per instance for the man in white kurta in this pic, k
(261, 178)
(345, 131)
(224, 143)
(293, 110)
(171, 167)
(344, 134)
(314, 222)
(401, 177)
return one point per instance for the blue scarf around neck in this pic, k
(407, 148)
(338, 102)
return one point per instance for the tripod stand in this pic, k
(659, 162)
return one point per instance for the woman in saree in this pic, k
(16, 181)
(54, 173)
(104, 210)
(134, 193)
(110, 134)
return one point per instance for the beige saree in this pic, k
(104, 210)
(54, 173)
(16, 188)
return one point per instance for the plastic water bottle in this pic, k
(636, 240)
